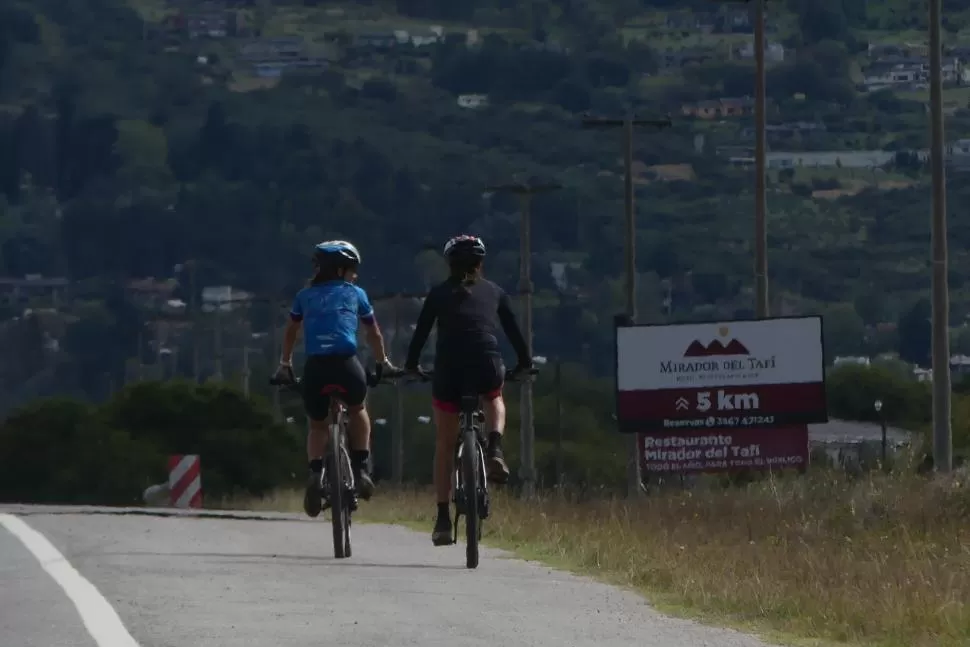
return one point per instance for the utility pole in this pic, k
(196, 333)
(276, 307)
(527, 468)
(245, 371)
(633, 475)
(218, 342)
(760, 155)
(397, 432)
(141, 364)
(560, 469)
(942, 432)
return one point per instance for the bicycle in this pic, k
(470, 472)
(338, 468)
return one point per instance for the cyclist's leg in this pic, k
(354, 381)
(317, 406)
(491, 379)
(446, 400)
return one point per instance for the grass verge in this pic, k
(880, 561)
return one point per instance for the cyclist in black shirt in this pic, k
(469, 310)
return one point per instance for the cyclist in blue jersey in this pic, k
(329, 310)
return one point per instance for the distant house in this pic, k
(210, 20)
(151, 293)
(774, 52)
(272, 49)
(961, 53)
(871, 159)
(877, 51)
(954, 71)
(830, 159)
(379, 40)
(269, 57)
(895, 71)
(718, 108)
(960, 364)
(33, 286)
(778, 133)
(473, 101)
(691, 20)
(223, 298)
(473, 38)
(424, 37)
(694, 55)
(851, 359)
(734, 21)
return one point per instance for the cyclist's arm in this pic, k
(421, 331)
(372, 332)
(511, 327)
(292, 331)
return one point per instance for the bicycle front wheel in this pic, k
(470, 466)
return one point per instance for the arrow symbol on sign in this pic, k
(682, 403)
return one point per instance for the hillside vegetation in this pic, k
(134, 147)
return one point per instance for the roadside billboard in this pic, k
(766, 373)
(723, 450)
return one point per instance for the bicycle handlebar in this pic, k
(370, 377)
(423, 375)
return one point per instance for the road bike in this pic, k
(338, 489)
(469, 480)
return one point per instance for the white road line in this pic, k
(101, 621)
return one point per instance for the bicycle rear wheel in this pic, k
(470, 466)
(339, 505)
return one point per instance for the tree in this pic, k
(60, 451)
(822, 20)
(960, 340)
(142, 150)
(915, 333)
(844, 331)
(853, 389)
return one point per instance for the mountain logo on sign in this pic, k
(716, 348)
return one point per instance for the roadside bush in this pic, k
(60, 451)
(64, 451)
(241, 447)
(852, 390)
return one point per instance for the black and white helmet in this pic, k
(339, 248)
(464, 245)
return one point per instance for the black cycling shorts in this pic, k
(341, 375)
(483, 375)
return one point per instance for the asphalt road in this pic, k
(190, 581)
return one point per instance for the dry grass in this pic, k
(884, 561)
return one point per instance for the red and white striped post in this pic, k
(185, 481)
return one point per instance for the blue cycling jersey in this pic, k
(330, 312)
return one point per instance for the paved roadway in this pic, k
(173, 579)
